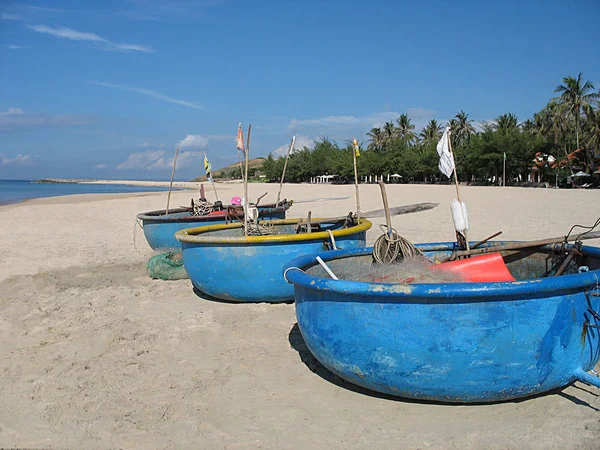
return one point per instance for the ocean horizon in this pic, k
(17, 191)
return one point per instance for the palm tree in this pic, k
(376, 139)
(462, 128)
(389, 133)
(431, 132)
(506, 122)
(406, 129)
(575, 95)
(591, 132)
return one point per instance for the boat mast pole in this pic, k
(246, 200)
(284, 168)
(457, 188)
(171, 184)
(356, 183)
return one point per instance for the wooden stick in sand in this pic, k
(308, 223)
(457, 189)
(246, 200)
(284, 168)
(171, 184)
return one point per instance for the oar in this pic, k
(525, 244)
(407, 209)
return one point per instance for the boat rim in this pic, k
(192, 235)
(294, 273)
(159, 214)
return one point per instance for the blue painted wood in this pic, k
(457, 343)
(251, 272)
(160, 229)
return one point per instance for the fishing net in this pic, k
(167, 266)
(415, 269)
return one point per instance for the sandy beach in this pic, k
(95, 354)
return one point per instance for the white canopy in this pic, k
(396, 176)
(580, 174)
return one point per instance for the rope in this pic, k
(390, 248)
(262, 229)
(202, 208)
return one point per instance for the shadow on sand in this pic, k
(297, 343)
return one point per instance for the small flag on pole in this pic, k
(240, 139)
(207, 168)
(355, 146)
(446, 164)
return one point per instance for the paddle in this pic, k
(524, 244)
(395, 211)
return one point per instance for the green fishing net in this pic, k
(167, 266)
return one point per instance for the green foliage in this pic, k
(569, 122)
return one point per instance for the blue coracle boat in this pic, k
(160, 229)
(453, 342)
(224, 264)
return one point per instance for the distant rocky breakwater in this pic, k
(59, 181)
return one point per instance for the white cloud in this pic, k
(141, 160)
(194, 141)
(18, 160)
(74, 35)
(5, 16)
(345, 125)
(100, 166)
(16, 47)
(158, 159)
(301, 142)
(148, 92)
(16, 118)
(370, 121)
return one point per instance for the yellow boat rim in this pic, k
(199, 235)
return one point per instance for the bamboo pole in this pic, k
(212, 180)
(171, 184)
(246, 200)
(356, 185)
(456, 184)
(284, 168)
(386, 207)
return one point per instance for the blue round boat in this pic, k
(224, 264)
(160, 229)
(453, 342)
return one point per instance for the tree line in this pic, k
(559, 140)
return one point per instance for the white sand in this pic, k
(94, 354)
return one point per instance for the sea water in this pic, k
(15, 191)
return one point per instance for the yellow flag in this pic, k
(355, 145)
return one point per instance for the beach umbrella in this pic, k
(396, 176)
(581, 174)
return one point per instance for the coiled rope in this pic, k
(202, 208)
(391, 248)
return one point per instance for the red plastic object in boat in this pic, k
(482, 269)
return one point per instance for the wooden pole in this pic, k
(356, 185)
(246, 200)
(212, 180)
(284, 168)
(386, 207)
(457, 188)
(171, 184)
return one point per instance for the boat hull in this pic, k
(160, 229)
(456, 343)
(250, 271)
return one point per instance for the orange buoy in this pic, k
(479, 269)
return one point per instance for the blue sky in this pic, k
(108, 89)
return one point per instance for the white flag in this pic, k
(446, 164)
